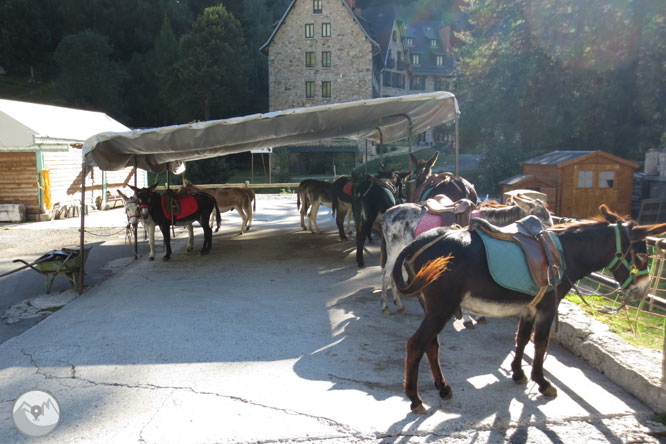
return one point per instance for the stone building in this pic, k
(330, 51)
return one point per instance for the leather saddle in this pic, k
(451, 212)
(543, 258)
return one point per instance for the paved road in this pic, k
(276, 335)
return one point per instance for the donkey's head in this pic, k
(131, 209)
(423, 168)
(631, 263)
(534, 207)
(144, 198)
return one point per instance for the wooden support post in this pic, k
(457, 148)
(136, 227)
(84, 172)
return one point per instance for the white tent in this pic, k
(381, 120)
(26, 125)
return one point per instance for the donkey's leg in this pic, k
(366, 227)
(151, 238)
(208, 235)
(166, 234)
(313, 217)
(243, 216)
(248, 212)
(304, 211)
(340, 222)
(190, 238)
(544, 321)
(349, 218)
(432, 353)
(525, 325)
(416, 347)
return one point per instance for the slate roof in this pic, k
(378, 23)
(422, 31)
(556, 157)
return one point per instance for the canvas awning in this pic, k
(380, 120)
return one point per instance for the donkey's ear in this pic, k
(122, 195)
(433, 159)
(608, 214)
(152, 187)
(642, 231)
(135, 189)
(415, 161)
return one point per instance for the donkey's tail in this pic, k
(428, 274)
(382, 251)
(298, 198)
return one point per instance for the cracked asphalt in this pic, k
(277, 336)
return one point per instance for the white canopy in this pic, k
(380, 120)
(32, 125)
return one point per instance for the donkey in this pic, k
(428, 185)
(313, 193)
(372, 198)
(451, 270)
(342, 203)
(151, 205)
(402, 223)
(134, 217)
(238, 199)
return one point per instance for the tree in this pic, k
(210, 80)
(88, 77)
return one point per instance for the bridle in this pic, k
(620, 259)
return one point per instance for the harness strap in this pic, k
(414, 256)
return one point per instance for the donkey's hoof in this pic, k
(418, 409)
(549, 392)
(386, 311)
(521, 380)
(482, 320)
(469, 325)
(152, 258)
(401, 309)
(445, 392)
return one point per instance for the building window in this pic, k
(316, 6)
(394, 36)
(410, 41)
(309, 59)
(433, 43)
(326, 59)
(325, 29)
(585, 179)
(326, 88)
(416, 59)
(309, 89)
(386, 78)
(440, 60)
(606, 179)
(309, 30)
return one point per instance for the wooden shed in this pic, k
(577, 182)
(41, 159)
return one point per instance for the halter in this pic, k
(620, 259)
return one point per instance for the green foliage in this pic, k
(209, 81)
(88, 77)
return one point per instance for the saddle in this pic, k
(544, 259)
(171, 202)
(451, 212)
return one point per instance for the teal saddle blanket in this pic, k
(508, 266)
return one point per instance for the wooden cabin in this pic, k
(41, 159)
(578, 182)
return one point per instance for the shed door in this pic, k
(593, 185)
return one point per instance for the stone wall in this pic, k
(350, 72)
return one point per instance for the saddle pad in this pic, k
(507, 264)
(427, 222)
(188, 206)
(390, 195)
(425, 194)
(347, 188)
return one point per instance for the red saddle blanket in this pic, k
(188, 206)
(347, 188)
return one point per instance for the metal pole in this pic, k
(457, 147)
(366, 156)
(252, 167)
(410, 141)
(84, 172)
(136, 227)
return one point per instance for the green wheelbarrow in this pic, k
(66, 261)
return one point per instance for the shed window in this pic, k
(585, 179)
(606, 179)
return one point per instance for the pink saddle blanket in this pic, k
(347, 188)
(188, 206)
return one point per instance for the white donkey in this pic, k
(400, 223)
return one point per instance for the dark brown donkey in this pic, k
(452, 272)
